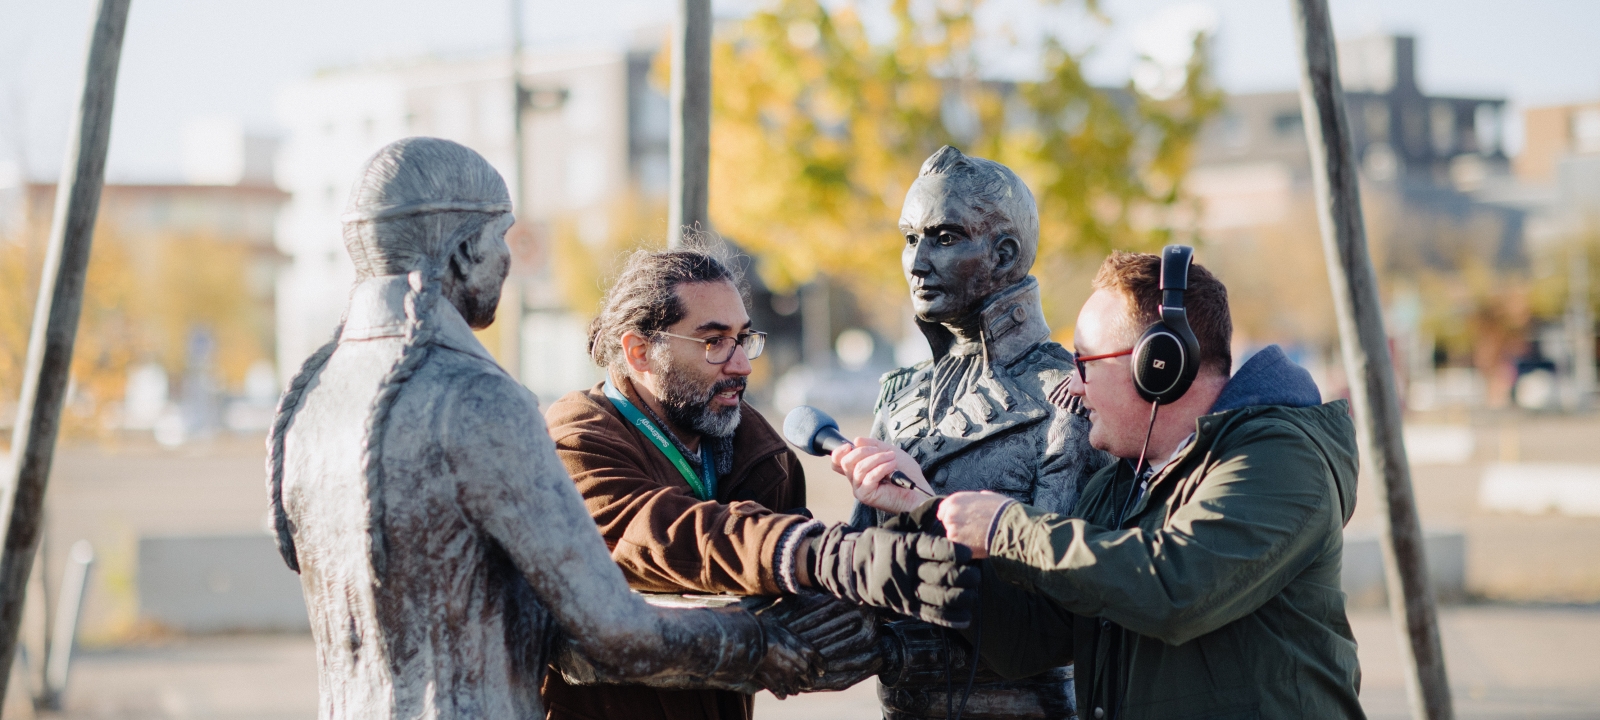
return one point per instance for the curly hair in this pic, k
(644, 299)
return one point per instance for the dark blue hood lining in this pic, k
(1268, 378)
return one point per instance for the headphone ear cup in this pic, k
(1161, 365)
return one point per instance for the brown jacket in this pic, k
(666, 540)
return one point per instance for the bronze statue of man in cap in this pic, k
(978, 414)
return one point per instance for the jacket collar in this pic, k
(377, 310)
(1268, 378)
(754, 441)
(1012, 321)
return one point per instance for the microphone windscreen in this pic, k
(811, 430)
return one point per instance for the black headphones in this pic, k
(1167, 356)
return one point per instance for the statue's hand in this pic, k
(844, 634)
(789, 664)
(868, 463)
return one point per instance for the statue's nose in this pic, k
(921, 265)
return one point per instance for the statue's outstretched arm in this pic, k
(844, 634)
(512, 486)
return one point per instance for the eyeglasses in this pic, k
(1084, 360)
(719, 349)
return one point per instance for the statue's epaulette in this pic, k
(1053, 365)
(893, 382)
(1048, 351)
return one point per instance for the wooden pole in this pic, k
(513, 303)
(1367, 362)
(55, 322)
(689, 147)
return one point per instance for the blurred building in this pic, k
(1558, 181)
(595, 128)
(1426, 153)
(1432, 169)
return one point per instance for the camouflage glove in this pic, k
(914, 574)
(923, 518)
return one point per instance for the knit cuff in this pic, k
(994, 524)
(785, 570)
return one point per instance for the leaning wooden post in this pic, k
(689, 147)
(1366, 360)
(55, 322)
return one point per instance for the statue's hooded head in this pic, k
(435, 208)
(971, 230)
(436, 212)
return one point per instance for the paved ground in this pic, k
(1506, 663)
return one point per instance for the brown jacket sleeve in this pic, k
(664, 539)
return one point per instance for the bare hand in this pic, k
(868, 463)
(967, 517)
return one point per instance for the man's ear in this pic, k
(636, 351)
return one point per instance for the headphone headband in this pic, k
(1167, 356)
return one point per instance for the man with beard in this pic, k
(695, 492)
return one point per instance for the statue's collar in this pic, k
(377, 310)
(1012, 321)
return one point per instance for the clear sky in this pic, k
(188, 58)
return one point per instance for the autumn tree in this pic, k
(143, 299)
(819, 129)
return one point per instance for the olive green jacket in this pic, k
(1219, 595)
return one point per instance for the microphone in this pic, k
(815, 433)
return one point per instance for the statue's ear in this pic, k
(1006, 251)
(465, 254)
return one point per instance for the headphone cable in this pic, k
(1139, 466)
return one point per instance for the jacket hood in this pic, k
(1270, 385)
(1268, 378)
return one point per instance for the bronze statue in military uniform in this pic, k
(978, 415)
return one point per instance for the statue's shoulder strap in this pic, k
(894, 381)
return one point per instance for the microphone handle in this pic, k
(830, 438)
(899, 479)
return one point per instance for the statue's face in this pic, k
(952, 260)
(481, 272)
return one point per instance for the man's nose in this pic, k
(738, 364)
(1075, 384)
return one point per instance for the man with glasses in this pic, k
(1199, 576)
(694, 492)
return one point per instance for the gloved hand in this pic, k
(789, 665)
(923, 518)
(915, 574)
(844, 635)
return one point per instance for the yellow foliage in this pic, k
(143, 297)
(818, 132)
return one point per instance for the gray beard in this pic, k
(688, 404)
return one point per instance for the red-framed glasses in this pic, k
(1083, 361)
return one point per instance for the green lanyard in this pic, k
(702, 487)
